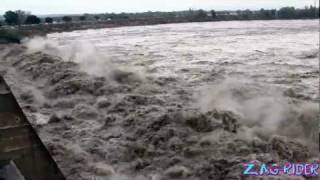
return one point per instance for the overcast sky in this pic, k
(102, 6)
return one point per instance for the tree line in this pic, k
(22, 17)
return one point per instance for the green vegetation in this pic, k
(9, 36)
(213, 14)
(21, 20)
(20, 17)
(48, 20)
(292, 13)
(82, 18)
(11, 18)
(32, 19)
(309, 12)
(67, 18)
(201, 15)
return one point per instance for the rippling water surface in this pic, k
(281, 53)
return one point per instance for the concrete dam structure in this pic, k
(22, 154)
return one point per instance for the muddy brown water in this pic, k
(176, 101)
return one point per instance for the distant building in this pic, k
(227, 13)
(234, 13)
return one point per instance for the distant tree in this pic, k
(22, 16)
(48, 20)
(82, 18)
(67, 18)
(287, 13)
(168, 15)
(304, 13)
(123, 16)
(11, 18)
(246, 14)
(201, 14)
(213, 14)
(109, 16)
(32, 19)
(264, 14)
(313, 12)
(97, 17)
(273, 13)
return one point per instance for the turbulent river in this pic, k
(176, 101)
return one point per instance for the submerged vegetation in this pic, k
(9, 35)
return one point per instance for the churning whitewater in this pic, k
(178, 101)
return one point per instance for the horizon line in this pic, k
(194, 9)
